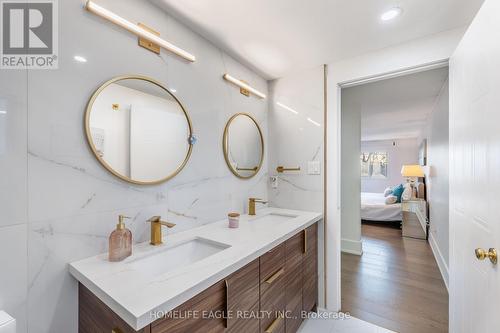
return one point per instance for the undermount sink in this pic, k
(177, 256)
(272, 218)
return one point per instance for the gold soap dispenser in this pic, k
(120, 241)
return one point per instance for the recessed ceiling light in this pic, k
(173, 90)
(391, 14)
(3, 112)
(79, 58)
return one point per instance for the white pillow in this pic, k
(387, 191)
(391, 199)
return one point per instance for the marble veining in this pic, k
(58, 203)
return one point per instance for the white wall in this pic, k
(389, 61)
(405, 151)
(57, 203)
(158, 139)
(351, 172)
(295, 141)
(437, 177)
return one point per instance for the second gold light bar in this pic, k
(243, 85)
(135, 29)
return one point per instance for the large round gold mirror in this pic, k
(138, 130)
(243, 145)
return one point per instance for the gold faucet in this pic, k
(251, 205)
(156, 223)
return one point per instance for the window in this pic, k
(374, 165)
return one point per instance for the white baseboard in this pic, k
(352, 247)
(443, 267)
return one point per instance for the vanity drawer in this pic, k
(272, 302)
(271, 262)
(243, 299)
(272, 305)
(272, 290)
(294, 249)
(310, 269)
(192, 314)
(95, 316)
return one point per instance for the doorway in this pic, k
(394, 232)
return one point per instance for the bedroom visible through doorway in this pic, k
(394, 201)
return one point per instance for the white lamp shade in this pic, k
(412, 170)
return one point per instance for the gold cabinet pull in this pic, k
(226, 311)
(116, 330)
(275, 276)
(491, 254)
(274, 324)
(305, 240)
(282, 169)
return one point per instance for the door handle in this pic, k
(491, 254)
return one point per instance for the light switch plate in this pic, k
(313, 168)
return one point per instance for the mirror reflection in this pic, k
(243, 145)
(138, 130)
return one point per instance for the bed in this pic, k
(374, 209)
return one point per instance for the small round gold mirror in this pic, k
(138, 130)
(243, 145)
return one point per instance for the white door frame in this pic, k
(333, 247)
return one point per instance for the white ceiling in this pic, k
(276, 37)
(398, 108)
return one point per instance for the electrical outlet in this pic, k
(274, 181)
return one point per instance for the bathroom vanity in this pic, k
(257, 278)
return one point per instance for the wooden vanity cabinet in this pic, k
(94, 316)
(294, 249)
(265, 296)
(243, 299)
(190, 317)
(310, 269)
(235, 295)
(272, 290)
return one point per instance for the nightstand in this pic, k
(414, 218)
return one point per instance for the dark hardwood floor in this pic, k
(395, 284)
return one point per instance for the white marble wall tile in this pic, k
(295, 140)
(13, 273)
(53, 301)
(73, 201)
(60, 189)
(13, 194)
(13, 114)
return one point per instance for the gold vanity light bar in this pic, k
(135, 29)
(243, 85)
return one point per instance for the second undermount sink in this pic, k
(177, 256)
(272, 218)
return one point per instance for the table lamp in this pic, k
(412, 172)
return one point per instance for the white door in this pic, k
(475, 174)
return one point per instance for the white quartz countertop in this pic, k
(136, 296)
